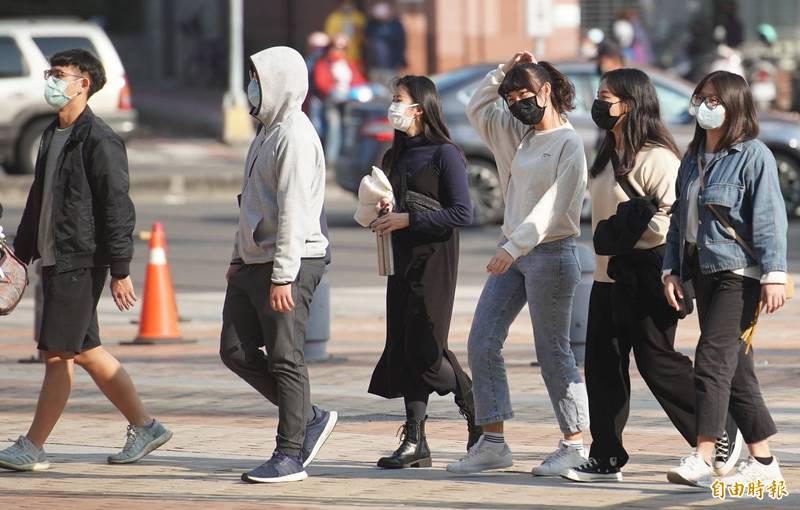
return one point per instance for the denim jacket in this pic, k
(742, 184)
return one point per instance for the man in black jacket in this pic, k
(79, 221)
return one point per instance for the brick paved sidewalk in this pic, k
(223, 428)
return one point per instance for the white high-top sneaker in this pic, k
(483, 456)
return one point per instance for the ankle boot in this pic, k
(413, 450)
(466, 406)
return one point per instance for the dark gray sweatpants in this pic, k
(249, 323)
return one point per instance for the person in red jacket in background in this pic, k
(334, 75)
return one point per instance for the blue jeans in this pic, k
(546, 278)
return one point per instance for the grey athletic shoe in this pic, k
(140, 442)
(24, 456)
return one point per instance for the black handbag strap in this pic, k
(622, 179)
(404, 182)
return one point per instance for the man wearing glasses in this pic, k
(79, 220)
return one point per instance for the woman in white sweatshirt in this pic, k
(542, 169)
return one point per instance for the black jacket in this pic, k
(93, 214)
(637, 290)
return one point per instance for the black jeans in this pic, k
(725, 376)
(249, 323)
(668, 374)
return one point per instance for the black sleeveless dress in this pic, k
(419, 297)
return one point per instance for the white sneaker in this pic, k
(24, 456)
(560, 461)
(751, 470)
(483, 456)
(693, 471)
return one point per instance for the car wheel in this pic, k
(485, 192)
(789, 176)
(28, 148)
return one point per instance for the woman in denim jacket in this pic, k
(740, 181)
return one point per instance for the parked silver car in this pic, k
(368, 133)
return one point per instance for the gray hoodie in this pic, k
(284, 177)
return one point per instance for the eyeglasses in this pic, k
(58, 74)
(710, 101)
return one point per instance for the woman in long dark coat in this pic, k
(429, 181)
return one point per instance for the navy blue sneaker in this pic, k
(317, 432)
(280, 468)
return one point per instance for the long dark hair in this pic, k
(521, 76)
(642, 124)
(423, 92)
(741, 119)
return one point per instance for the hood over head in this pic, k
(283, 79)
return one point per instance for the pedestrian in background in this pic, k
(542, 169)
(334, 75)
(348, 20)
(278, 261)
(428, 175)
(316, 44)
(728, 235)
(632, 186)
(79, 220)
(385, 45)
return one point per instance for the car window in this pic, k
(11, 63)
(581, 94)
(446, 80)
(674, 104)
(466, 93)
(50, 45)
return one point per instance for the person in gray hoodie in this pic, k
(278, 261)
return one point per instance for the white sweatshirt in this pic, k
(542, 173)
(284, 176)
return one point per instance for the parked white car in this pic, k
(25, 48)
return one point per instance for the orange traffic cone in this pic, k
(159, 320)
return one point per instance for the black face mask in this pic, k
(601, 115)
(527, 111)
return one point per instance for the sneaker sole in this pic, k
(548, 474)
(499, 465)
(294, 477)
(421, 463)
(676, 478)
(152, 445)
(733, 458)
(326, 432)
(36, 466)
(585, 478)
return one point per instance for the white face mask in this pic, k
(55, 92)
(706, 117)
(254, 93)
(398, 118)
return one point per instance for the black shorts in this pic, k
(69, 314)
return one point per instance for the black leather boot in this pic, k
(413, 450)
(466, 406)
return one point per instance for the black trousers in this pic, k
(725, 376)
(668, 374)
(249, 323)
